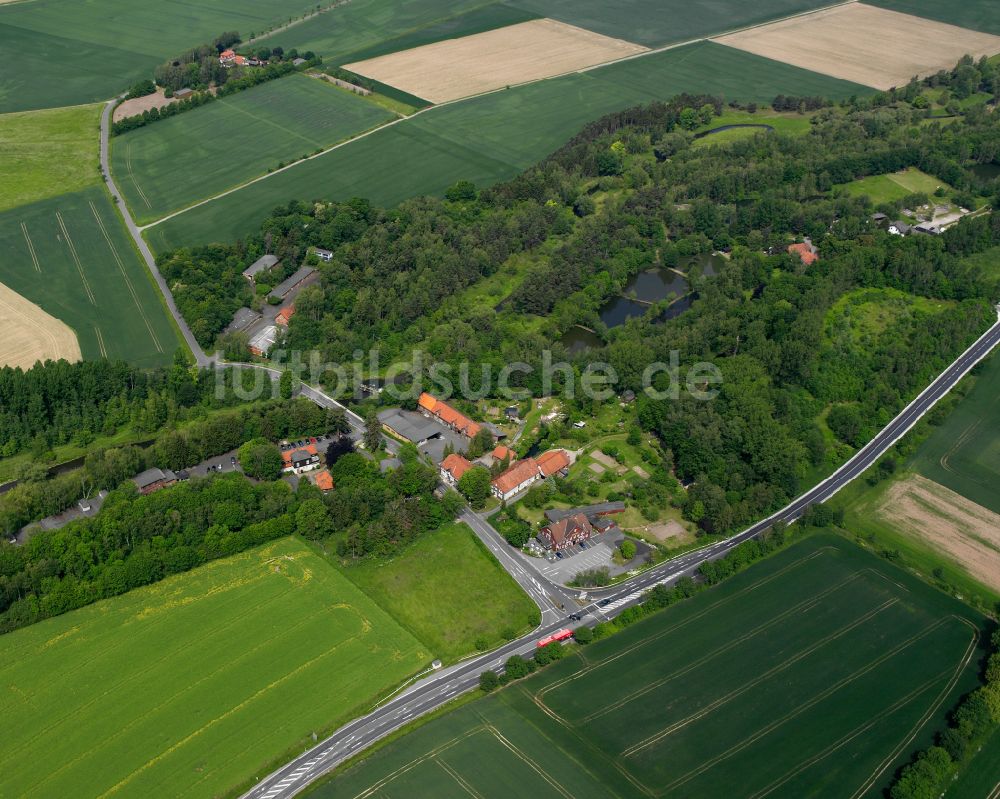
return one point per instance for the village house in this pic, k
(226, 57)
(805, 251)
(566, 531)
(434, 408)
(153, 480)
(515, 480)
(323, 255)
(324, 481)
(899, 228)
(297, 461)
(453, 467)
(524, 473)
(284, 315)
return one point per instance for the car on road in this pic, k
(604, 603)
(575, 617)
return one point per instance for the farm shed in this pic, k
(258, 266)
(286, 287)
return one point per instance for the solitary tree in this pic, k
(373, 431)
(260, 459)
(475, 486)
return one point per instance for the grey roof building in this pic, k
(258, 266)
(409, 425)
(284, 288)
(154, 478)
(243, 319)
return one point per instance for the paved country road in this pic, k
(553, 600)
(441, 687)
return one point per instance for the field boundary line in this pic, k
(805, 605)
(645, 53)
(970, 650)
(131, 175)
(48, 334)
(128, 282)
(458, 778)
(746, 686)
(527, 760)
(202, 679)
(431, 755)
(31, 247)
(232, 711)
(270, 122)
(899, 704)
(100, 341)
(113, 688)
(76, 259)
(827, 692)
(694, 617)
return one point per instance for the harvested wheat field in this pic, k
(864, 44)
(28, 334)
(968, 533)
(482, 62)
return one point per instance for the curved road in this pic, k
(551, 598)
(438, 689)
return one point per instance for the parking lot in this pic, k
(575, 559)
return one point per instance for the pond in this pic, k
(989, 171)
(642, 290)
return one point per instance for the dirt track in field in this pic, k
(482, 62)
(949, 523)
(28, 334)
(864, 44)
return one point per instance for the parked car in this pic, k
(232, 460)
(559, 555)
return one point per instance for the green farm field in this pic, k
(813, 674)
(980, 779)
(658, 22)
(980, 15)
(186, 158)
(419, 587)
(369, 25)
(72, 256)
(68, 52)
(492, 137)
(195, 685)
(48, 153)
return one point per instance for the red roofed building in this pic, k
(805, 252)
(448, 416)
(324, 481)
(226, 57)
(517, 478)
(502, 453)
(568, 530)
(453, 467)
(301, 460)
(284, 315)
(239, 61)
(552, 462)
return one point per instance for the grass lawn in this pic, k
(889, 188)
(48, 153)
(823, 645)
(186, 158)
(72, 256)
(988, 262)
(792, 124)
(492, 137)
(196, 685)
(448, 591)
(64, 52)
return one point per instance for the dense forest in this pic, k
(137, 540)
(174, 447)
(634, 191)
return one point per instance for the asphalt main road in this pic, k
(438, 689)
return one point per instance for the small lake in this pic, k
(642, 290)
